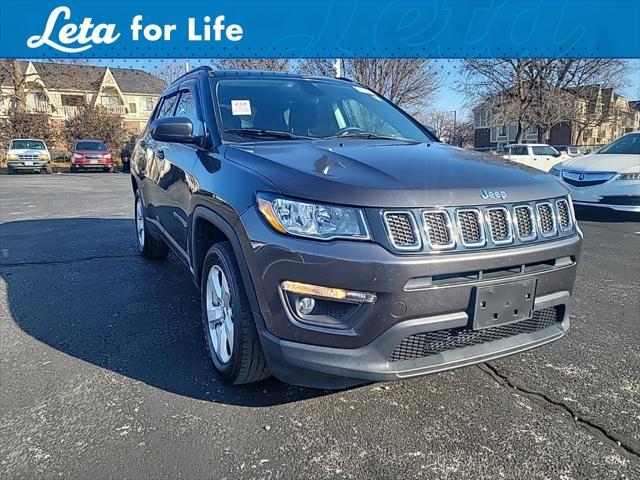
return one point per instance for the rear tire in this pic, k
(148, 245)
(240, 359)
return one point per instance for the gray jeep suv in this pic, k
(335, 241)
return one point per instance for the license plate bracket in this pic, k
(504, 303)
(93, 161)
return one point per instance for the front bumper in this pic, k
(21, 165)
(623, 196)
(91, 166)
(328, 367)
(415, 294)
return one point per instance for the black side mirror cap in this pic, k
(173, 129)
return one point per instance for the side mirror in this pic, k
(173, 129)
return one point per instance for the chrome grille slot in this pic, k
(499, 222)
(470, 228)
(28, 157)
(546, 219)
(401, 230)
(525, 222)
(565, 222)
(438, 227)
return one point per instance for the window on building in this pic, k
(72, 100)
(147, 104)
(133, 108)
(110, 100)
(502, 131)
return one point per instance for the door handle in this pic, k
(160, 154)
(143, 144)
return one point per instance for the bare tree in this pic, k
(12, 70)
(169, 70)
(271, 64)
(464, 134)
(409, 83)
(536, 92)
(441, 123)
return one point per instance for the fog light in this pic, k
(305, 305)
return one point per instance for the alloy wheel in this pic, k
(219, 314)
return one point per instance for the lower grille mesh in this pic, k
(432, 343)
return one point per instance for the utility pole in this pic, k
(453, 135)
(338, 66)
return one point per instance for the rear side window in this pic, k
(187, 107)
(168, 107)
(518, 150)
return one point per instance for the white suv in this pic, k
(30, 155)
(536, 155)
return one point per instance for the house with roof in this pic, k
(600, 115)
(61, 90)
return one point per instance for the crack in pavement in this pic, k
(65, 262)
(626, 445)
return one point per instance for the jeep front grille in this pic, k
(401, 230)
(525, 222)
(438, 228)
(488, 226)
(564, 215)
(470, 227)
(499, 225)
(428, 344)
(546, 220)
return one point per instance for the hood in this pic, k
(391, 173)
(27, 151)
(603, 162)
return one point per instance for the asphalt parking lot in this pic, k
(104, 374)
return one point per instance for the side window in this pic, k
(168, 107)
(518, 150)
(187, 107)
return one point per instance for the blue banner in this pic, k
(314, 28)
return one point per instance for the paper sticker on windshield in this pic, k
(240, 107)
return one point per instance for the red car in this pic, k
(91, 155)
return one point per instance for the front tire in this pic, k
(149, 246)
(229, 329)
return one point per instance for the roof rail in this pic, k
(203, 68)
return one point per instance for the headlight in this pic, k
(77, 155)
(629, 176)
(313, 220)
(12, 156)
(556, 171)
(43, 157)
(106, 156)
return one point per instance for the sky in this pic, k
(447, 98)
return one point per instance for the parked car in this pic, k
(536, 155)
(28, 155)
(575, 151)
(335, 241)
(609, 178)
(90, 155)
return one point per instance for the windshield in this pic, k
(627, 145)
(284, 108)
(544, 150)
(21, 144)
(84, 145)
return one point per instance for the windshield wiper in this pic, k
(369, 135)
(260, 132)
